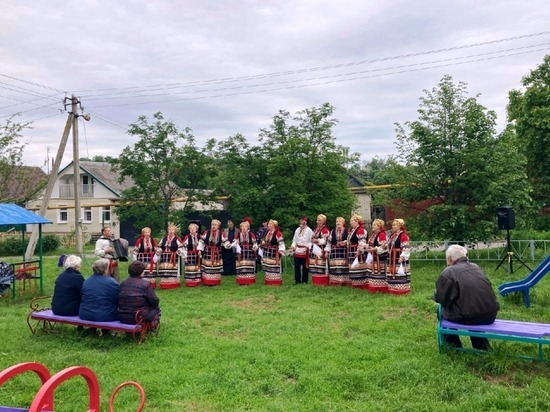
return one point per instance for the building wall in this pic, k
(363, 207)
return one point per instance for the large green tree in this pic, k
(305, 170)
(529, 114)
(163, 167)
(296, 169)
(454, 170)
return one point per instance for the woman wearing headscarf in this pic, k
(357, 244)
(272, 249)
(190, 253)
(210, 245)
(337, 254)
(376, 258)
(246, 254)
(399, 250)
(317, 259)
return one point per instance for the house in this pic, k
(100, 192)
(18, 184)
(364, 199)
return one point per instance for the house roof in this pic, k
(103, 174)
(22, 182)
(11, 214)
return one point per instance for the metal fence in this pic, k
(527, 250)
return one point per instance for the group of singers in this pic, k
(345, 255)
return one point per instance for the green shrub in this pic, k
(12, 246)
(50, 243)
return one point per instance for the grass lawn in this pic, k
(288, 348)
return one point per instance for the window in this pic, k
(87, 215)
(105, 214)
(62, 215)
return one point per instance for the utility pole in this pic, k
(77, 185)
(51, 182)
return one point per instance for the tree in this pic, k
(162, 157)
(297, 169)
(453, 170)
(240, 172)
(18, 183)
(305, 171)
(375, 170)
(529, 114)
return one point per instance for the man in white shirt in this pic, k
(301, 244)
(104, 249)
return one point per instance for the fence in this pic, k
(527, 250)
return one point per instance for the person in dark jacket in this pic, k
(137, 294)
(100, 295)
(67, 292)
(466, 296)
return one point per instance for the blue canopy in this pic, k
(11, 214)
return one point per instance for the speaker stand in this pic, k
(510, 257)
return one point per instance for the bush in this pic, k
(50, 243)
(12, 246)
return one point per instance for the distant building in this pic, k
(19, 184)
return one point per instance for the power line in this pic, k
(319, 83)
(318, 68)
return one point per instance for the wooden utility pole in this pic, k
(77, 185)
(51, 182)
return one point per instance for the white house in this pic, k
(100, 192)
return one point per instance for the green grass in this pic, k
(289, 348)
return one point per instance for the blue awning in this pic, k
(11, 214)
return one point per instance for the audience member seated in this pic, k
(100, 295)
(67, 292)
(137, 294)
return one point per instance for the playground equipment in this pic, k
(43, 400)
(524, 285)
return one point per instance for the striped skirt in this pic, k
(211, 266)
(246, 266)
(338, 267)
(150, 274)
(272, 265)
(192, 269)
(168, 270)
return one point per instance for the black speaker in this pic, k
(506, 218)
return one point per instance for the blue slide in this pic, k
(525, 284)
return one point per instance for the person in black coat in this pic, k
(466, 296)
(228, 254)
(67, 293)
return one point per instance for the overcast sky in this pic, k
(227, 67)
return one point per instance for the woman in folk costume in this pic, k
(190, 252)
(317, 258)
(246, 254)
(272, 249)
(210, 245)
(357, 244)
(168, 268)
(145, 251)
(399, 250)
(337, 254)
(377, 257)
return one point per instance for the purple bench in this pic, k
(45, 318)
(530, 332)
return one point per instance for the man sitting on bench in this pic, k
(466, 296)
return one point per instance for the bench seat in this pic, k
(45, 319)
(49, 316)
(511, 330)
